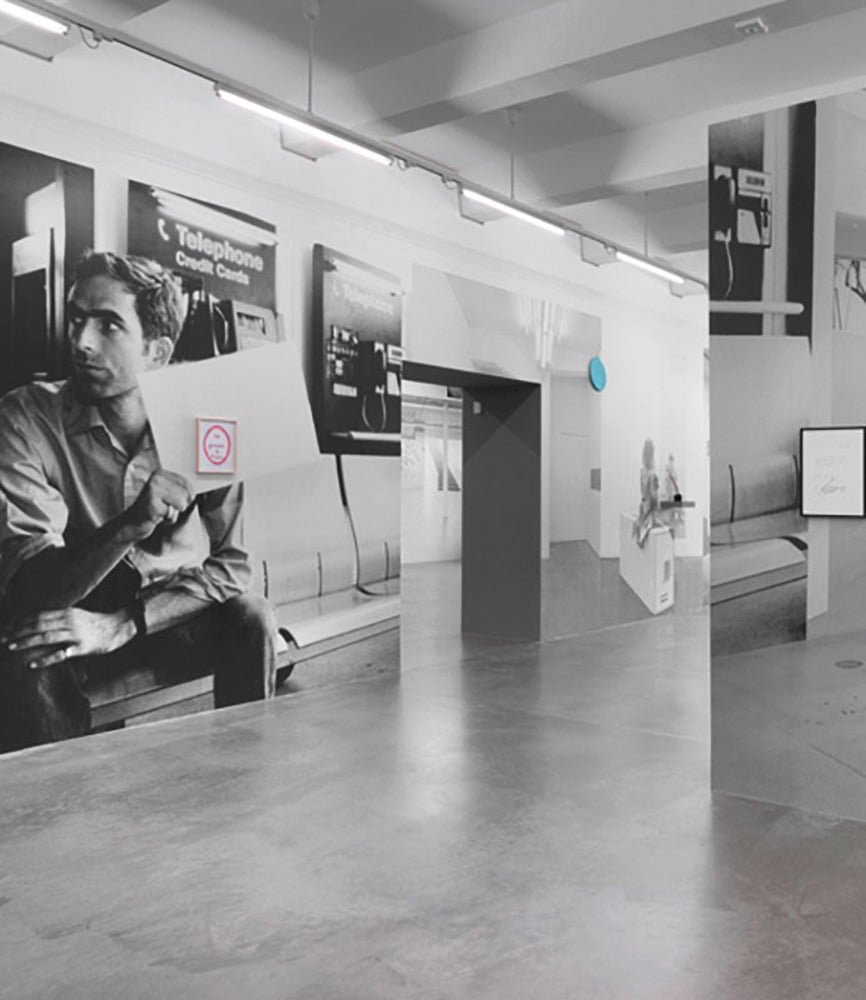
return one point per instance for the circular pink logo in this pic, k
(217, 445)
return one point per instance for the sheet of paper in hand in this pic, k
(230, 418)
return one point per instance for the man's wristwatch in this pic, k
(138, 618)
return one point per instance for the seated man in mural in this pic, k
(107, 561)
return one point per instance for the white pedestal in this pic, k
(649, 571)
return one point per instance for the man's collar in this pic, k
(78, 417)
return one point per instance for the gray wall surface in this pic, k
(502, 511)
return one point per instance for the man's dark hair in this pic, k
(158, 301)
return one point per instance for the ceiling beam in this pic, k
(642, 159)
(559, 47)
(542, 52)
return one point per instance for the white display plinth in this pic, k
(649, 571)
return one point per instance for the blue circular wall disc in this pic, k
(597, 374)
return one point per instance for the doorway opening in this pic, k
(471, 510)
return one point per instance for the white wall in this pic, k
(846, 581)
(439, 331)
(432, 515)
(569, 447)
(656, 390)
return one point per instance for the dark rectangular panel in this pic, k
(502, 511)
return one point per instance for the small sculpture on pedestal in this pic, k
(649, 512)
(674, 515)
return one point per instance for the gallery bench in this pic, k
(319, 607)
(758, 547)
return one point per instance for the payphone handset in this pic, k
(372, 367)
(368, 371)
(394, 370)
(741, 206)
(357, 368)
(204, 333)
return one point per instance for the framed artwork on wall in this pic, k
(832, 471)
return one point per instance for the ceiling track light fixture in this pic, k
(33, 18)
(322, 131)
(647, 265)
(234, 93)
(514, 209)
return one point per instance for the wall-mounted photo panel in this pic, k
(266, 539)
(832, 471)
(225, 260)
(357, 355)
(761, 238)
(787, 470)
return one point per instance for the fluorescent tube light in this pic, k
(645, 265)
(301, 125)
(517, 213)
(33, 18)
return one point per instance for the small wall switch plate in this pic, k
(477, 408)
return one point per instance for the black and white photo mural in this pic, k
(225, 262)
(171, 538)
(762, 180)
(788, 412)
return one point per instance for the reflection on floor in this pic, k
(581, 592)
(500, 821)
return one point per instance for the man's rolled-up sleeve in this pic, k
(33, 514)
(225, 572)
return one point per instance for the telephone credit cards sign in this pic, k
(233, 255)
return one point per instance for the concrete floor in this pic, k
(788, 724)
(500, 820)
(581, 592)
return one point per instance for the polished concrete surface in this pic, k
(788, 724)
(581, 592)
(500, 820)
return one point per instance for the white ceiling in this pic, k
(613, 96)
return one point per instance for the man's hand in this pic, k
(164, 496)
(52, 637)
